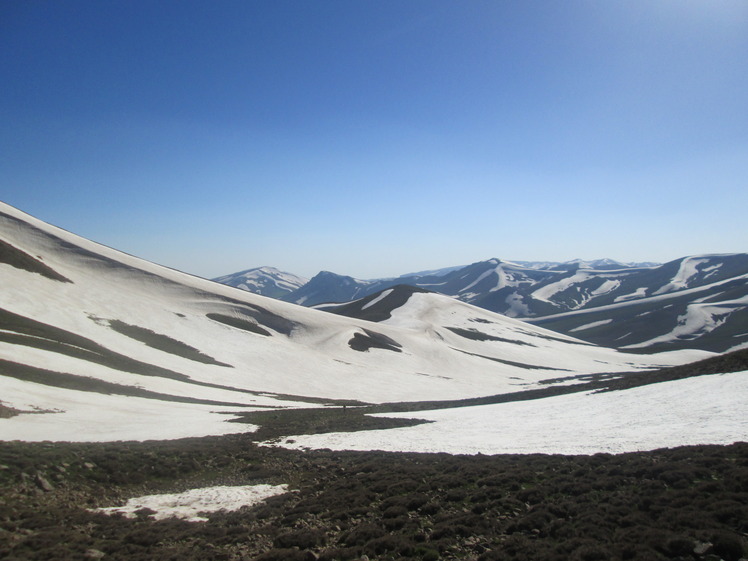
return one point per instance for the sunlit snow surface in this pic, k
(702, 410)
(688, 268)
(438, 357)
(92, 417)
(591, 325)
(699, 318)
(190, 504)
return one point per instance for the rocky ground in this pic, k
(687, 503)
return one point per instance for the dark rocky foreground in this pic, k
(687, 503)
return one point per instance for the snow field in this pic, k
(189, 504)
(701, 410)
(62, 415)
(315, 360)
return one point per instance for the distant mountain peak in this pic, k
(265, 280)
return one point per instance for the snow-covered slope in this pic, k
(705, 409)
(710, 292)
(267, 281)
(711, 316)
(96, 344)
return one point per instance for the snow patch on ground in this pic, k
(545, 293)
(60, 414)
(517, 306)
(190, 504)
(482, 276)
(688, 268)
(700, 410)
(606, 287)
(591, 325)
(698, 319)
(638, 293)
(379, 298)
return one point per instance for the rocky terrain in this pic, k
(685, 503)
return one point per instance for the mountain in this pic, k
(100, 345)
(711, 316)
(524, 430)
(605, 264)
(694, 302)
(326, 287)
(475, 283)
(267, 281)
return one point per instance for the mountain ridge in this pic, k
(266, 281)
(552, 294)
(166, 354)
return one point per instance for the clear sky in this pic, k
(375, 138)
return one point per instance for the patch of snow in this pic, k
(379, 298)
(707, 288)
(482, 276)
(712, 297)
(517, 306)
(638, 293)
(738, 347)
(74, 416)
(591, 325)
(434, 272)
(699, 319)
(606, 287)
(688, 268)
(546, 292)
(189, 504)
(701, 410)
(504, 279)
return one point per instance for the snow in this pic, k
(546, 292)
(699, 318)
(688, 268)
(702, 410)
(517, 306)
(621, 303)
(379, 298)
(434, 272)
(253, 279)
(606, 287)
(313, 360)
(638, 293)
(503, 279)
(591, 325)
(189, 504)
(482, 276)
(63, 415)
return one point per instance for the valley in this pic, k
(406, 424)
(695, 302)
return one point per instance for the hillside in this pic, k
(103, 356)
(100, 345)
(697, 302)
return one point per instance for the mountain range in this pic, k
(694, 302)
(96, 344)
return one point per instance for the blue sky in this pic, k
(378, 138)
